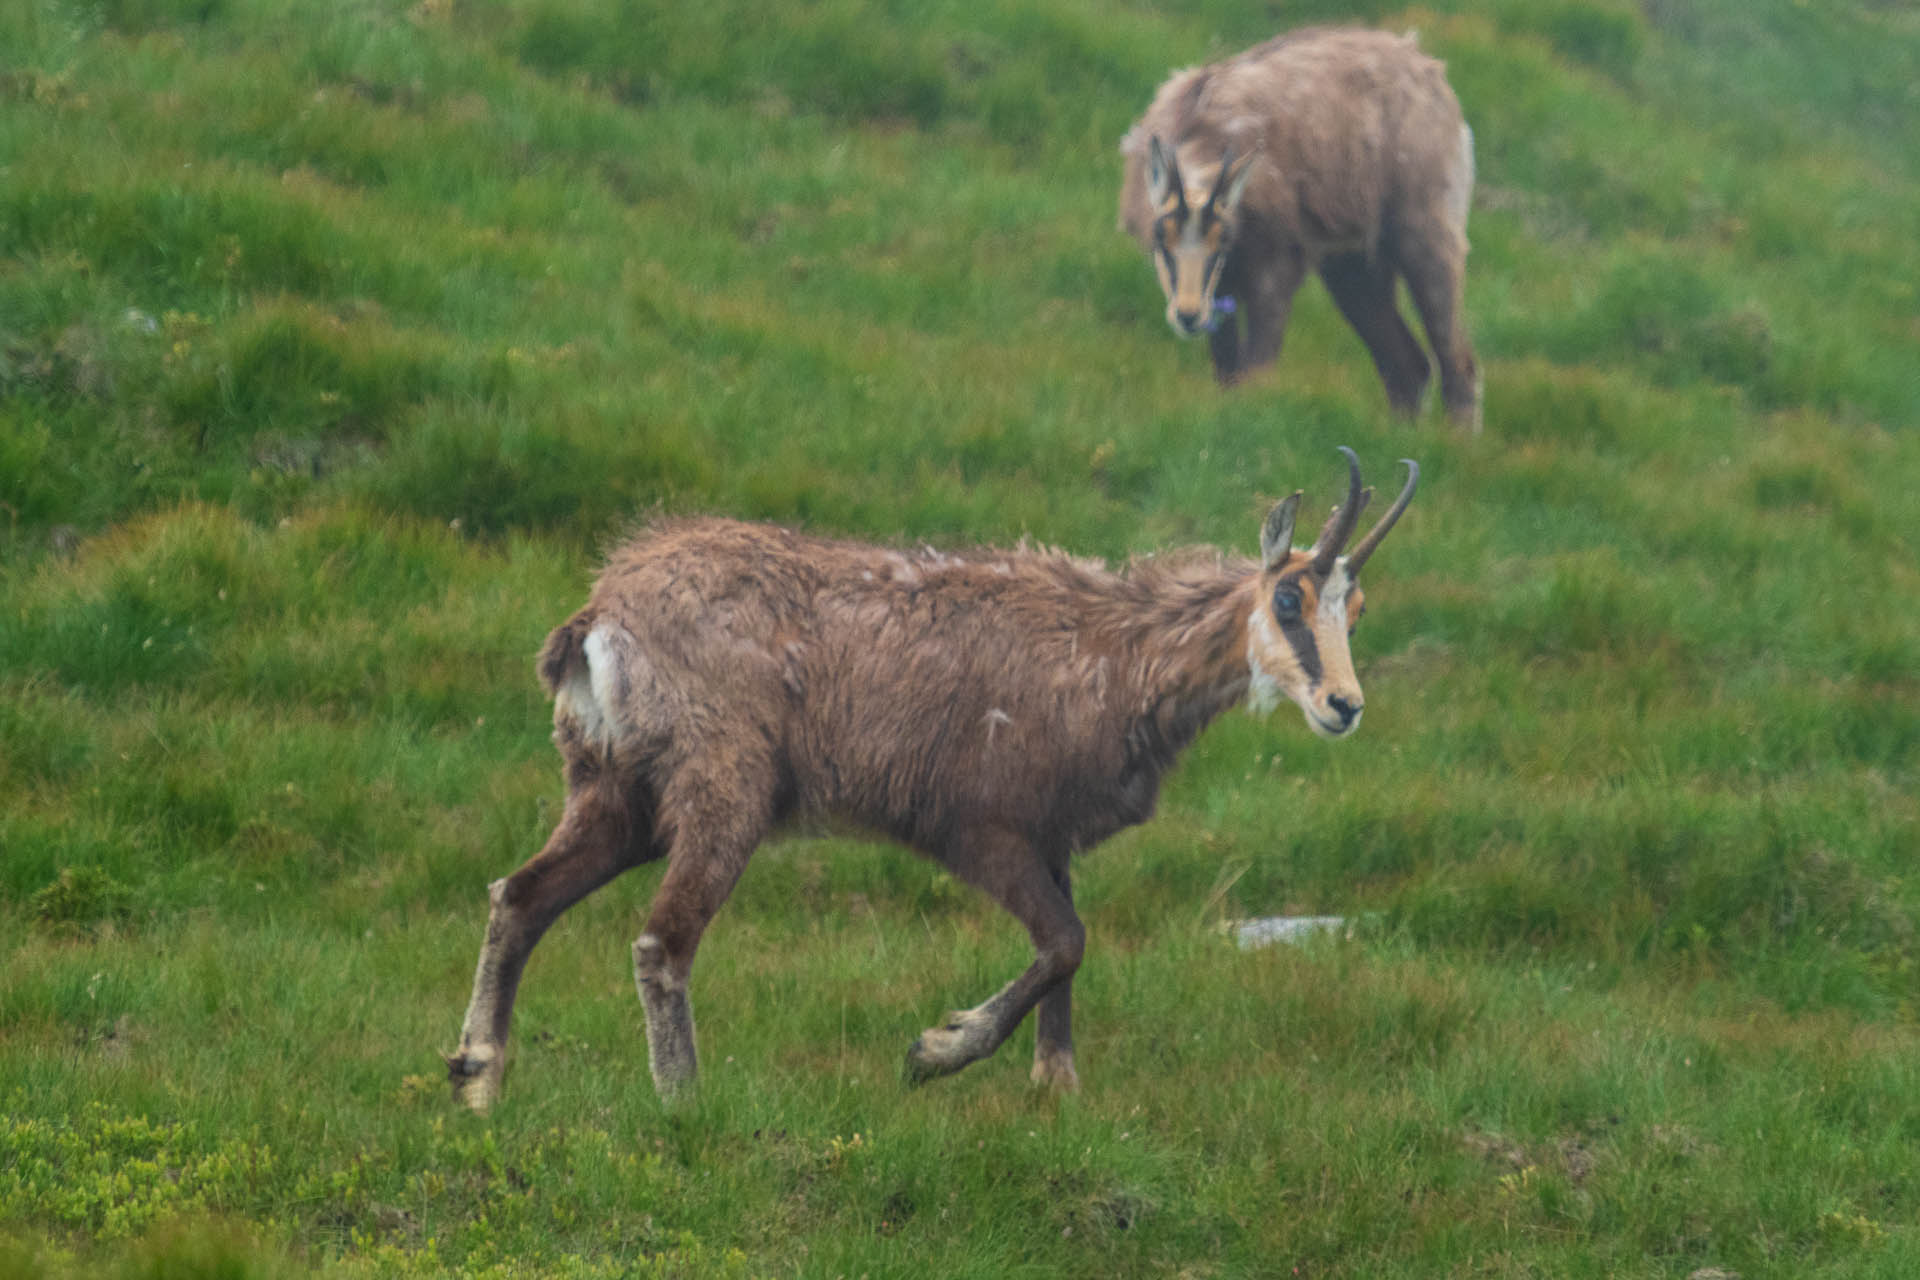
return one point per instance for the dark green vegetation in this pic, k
(336, 338)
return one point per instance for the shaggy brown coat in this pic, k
(1361, 168)
(995, 710)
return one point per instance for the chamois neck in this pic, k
(1181, 623)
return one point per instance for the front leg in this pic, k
(1269, 304)
(1223, 342)
(1010, 870)
(1224, 338)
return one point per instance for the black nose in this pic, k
(1189, 321)
(1347, 711)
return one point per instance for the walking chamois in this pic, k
(997, 711)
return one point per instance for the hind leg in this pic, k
(597, 838)
(1363, 290)
(715, 813)
(1435, 266)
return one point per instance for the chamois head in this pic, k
(1307, 604)
(1193, 230)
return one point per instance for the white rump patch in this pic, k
(592, 698)
(573, 701)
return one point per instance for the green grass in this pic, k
(336, 341)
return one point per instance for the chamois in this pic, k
(1330, 148)
(997, 711)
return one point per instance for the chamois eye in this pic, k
(1286, 602)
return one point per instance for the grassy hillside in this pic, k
(336, 340)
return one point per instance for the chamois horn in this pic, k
(1358, 556)
(1340, 525)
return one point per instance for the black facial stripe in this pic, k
(1306, 650)
(1298, 634)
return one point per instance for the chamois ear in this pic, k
(1276, 535)
(1163, 173)
(1232, 183)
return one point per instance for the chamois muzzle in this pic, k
(1193, 232)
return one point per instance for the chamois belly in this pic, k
(927, 779)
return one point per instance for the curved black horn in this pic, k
(1358, 556)
(1340, 525)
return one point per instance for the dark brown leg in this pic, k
(599, 836)
(1364, 292)
(1053, 1023)
(1227, 340)
(713, 814)
(1012, 872)
(1224, 345)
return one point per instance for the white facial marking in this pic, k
(1333, 596)
(994, 719)
(1263, 691)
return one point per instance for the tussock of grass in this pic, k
(335, 347)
